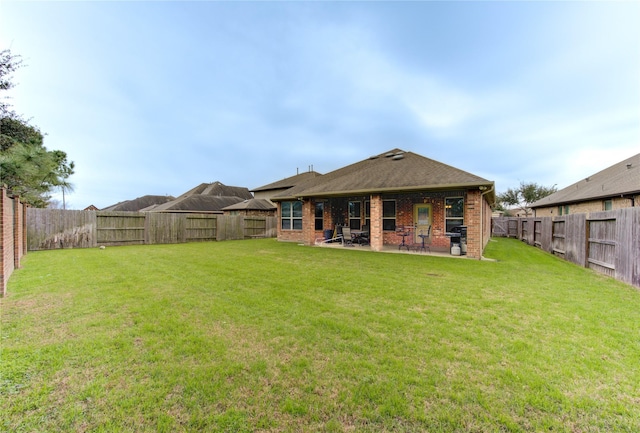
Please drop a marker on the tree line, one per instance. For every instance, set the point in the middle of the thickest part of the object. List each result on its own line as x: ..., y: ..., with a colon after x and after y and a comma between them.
x: 27, y: 168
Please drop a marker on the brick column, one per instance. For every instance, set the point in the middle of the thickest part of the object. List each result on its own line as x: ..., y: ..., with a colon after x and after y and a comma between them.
x: 6, y: 240
x: 308, y: 222
x: 17, y: 231
x: 375, y: 231
x: 472, y: 216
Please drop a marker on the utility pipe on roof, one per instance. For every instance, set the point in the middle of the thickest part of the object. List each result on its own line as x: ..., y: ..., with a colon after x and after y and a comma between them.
x: 482, y: 219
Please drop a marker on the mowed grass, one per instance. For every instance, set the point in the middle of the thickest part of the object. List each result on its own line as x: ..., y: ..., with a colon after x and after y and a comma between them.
x: 247, y: 336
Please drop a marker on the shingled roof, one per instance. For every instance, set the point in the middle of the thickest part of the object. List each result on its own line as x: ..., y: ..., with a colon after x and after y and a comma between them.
x: 197, y: 203
x: 392, y: 171
x: 206, y: 197
x: 288, y: 182
x: 253, y: 204
x: 620, y: 179
x: 139, y: 203
x: 218, y: 189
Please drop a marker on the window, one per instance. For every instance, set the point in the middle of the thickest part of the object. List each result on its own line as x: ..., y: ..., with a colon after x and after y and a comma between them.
x: 566, y: 209
x: 355, y: 213
x: 559, y: 210
x: 607, y: 205
x: 389, y: 215
x: 454, y: 212
x: 291, y: 218
x: 319, y: 224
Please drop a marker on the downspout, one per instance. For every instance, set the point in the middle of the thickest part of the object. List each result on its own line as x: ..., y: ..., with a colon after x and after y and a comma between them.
x: 482, y: 218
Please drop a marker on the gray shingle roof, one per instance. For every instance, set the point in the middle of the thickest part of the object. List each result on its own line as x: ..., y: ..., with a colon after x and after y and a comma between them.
x: 289, y: 181
x: 393, y: 171
x: 197, y: 203
x: 220, y: 190
x: 620, y: 179
x: 139, y: 203
x: 253, y: 204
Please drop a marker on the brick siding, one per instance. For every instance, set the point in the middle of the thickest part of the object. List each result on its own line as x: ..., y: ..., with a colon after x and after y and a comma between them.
x: 588, y: 206
x: 12, y: 238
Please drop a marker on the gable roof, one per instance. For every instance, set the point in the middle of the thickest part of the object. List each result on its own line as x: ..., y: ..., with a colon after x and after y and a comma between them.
x: 206, y: 197
x: 253, y: 204
x: 197, y: 203
x: 219, y: 189
x: 139, y: 203
x: 618, y: 180
x: 388, y: 172
x: 288, y: 182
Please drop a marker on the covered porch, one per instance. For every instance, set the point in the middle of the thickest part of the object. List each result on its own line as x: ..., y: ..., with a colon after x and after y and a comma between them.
x: 391, y: 219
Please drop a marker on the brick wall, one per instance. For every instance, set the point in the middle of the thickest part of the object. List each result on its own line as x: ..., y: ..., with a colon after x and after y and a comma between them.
x: 336, y: 212
x: 588, y: 207
x: 12, y: 236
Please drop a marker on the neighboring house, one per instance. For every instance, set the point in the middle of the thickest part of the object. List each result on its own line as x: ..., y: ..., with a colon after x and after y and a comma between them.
x: 139, y: 203
x: 253, y: 207
x: 91, y: 207
x: 615, y: 187
x: 206, y: 197
x: 280, y: 186
x: 388, y: 192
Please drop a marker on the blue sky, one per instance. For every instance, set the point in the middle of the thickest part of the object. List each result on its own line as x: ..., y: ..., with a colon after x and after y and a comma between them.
x: 158, y: 97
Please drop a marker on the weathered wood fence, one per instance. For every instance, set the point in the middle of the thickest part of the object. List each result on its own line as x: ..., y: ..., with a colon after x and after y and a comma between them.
x: 52, y: 228
x: 607, y: 242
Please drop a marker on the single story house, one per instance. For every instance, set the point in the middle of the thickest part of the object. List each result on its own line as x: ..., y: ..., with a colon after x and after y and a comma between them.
x: 614, y: 187
x: 390, y: 194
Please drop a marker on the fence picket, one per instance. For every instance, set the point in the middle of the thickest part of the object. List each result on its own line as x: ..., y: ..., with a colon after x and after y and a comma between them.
x: 607, y: 242
x: 53, y: 228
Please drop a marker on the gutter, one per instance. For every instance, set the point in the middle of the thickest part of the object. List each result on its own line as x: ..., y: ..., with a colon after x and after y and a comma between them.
x: 369, y: 191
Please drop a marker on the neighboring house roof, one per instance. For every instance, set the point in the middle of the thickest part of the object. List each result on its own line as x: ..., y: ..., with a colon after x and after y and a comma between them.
x: 139, y: 203
x: 392, y: 171
x: 253, y: 204
x: 621, y: 179
x: 197, y: 203
x: 206, y: 197
x: 288, y: 182
x: 220, y: 190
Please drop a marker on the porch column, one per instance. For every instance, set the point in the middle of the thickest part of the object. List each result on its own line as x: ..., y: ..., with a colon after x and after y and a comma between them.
x: 375, y: 231
x: 472, y: 217
x: 308, y: 222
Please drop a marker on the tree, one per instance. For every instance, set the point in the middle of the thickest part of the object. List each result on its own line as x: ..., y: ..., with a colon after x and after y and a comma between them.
x: 27, y: 168
x: 524, y: 195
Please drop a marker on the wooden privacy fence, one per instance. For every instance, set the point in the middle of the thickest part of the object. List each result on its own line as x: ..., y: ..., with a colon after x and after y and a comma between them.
x: 607, y: 242
x: 52, y: 228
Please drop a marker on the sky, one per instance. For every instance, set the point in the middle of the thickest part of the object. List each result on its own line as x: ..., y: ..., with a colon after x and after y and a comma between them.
x: 158, y: 97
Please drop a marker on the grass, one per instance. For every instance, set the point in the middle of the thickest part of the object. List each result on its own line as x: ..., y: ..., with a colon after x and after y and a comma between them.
x: 246, y: 336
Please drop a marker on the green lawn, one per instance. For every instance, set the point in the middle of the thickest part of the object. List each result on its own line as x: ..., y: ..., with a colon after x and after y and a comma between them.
x: 265, y: 336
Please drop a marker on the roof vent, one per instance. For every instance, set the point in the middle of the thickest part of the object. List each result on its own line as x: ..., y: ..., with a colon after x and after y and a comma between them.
x: 629, y: 165
x: 389, y: 155
x: 397, y: 157
x: 373, y: 157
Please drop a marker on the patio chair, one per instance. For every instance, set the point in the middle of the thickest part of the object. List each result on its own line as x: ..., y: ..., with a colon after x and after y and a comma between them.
x: 363, y: 239
x: 347, y: 240
x: 426, y: 242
